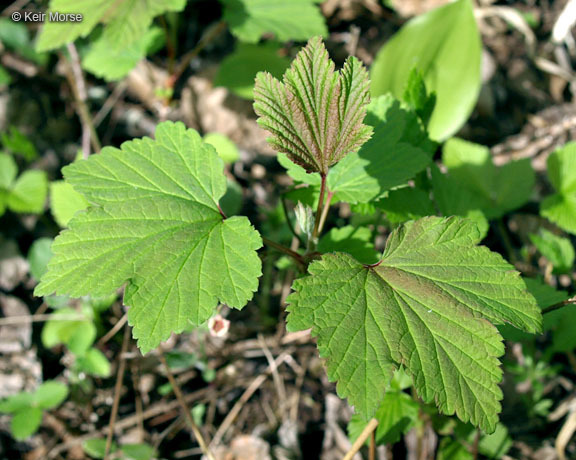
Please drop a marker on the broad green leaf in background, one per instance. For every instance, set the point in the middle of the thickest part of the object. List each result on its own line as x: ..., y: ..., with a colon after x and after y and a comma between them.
x: 107, y: 61
x: 156, y: 227
x: 445, y: 46
x: 429, y: 305
x: 65, y: 202
x: 19, y: 144
x: 238, y: 70
x: 407, y: 203
x: 453, y: 199
x: 496, y: 190
x: 286, y: 20
x: 138, y: 451
x: 225, y: 148
x: 39, y: 255
x: 298, y: 173
x: 356, y: 241
x: 396, y: 415
x: 96, y: 447
x: 49, y: 395
x: 29, y: 192
x: 560, y: 207
x: 558, y: 250
x: 397, y: 151
x: 125, y: 20
x: 315, y: 114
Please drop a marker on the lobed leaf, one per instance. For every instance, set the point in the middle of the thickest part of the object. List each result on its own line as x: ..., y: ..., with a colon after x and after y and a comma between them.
x: 315, y: 114
x: 155, y: 225
x: 428, y: 305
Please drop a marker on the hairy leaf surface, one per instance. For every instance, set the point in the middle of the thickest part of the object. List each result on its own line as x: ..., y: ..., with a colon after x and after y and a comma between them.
x: 427, y: 305
x: 155, y: 225
x: 315, y: 114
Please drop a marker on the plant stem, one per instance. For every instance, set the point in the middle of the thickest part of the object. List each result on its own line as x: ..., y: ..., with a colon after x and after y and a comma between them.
x: 368, y: 429
x: 318, y: 216
x: 78, y: 86
x: 559, y: 305
x: 117, y: 391
x: 281, y: 248
x: 325, y: 210
x: 372, y: 451
x: 187, y: 414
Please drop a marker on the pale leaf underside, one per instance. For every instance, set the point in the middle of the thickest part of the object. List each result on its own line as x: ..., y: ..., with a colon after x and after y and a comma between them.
x: 428, y: 305
x: 315, y: 115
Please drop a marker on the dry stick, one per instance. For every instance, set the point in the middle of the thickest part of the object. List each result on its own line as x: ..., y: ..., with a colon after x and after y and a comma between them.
x: 372, y: 452
x: 110, y: 103
x: 256, y: 383
x: 76, y: 82
x: 367, y: 431
x: 112, y: 332
x: 11, y: 320
x: 187, y: 58
x: 117, y: 390
x: 185, y: 408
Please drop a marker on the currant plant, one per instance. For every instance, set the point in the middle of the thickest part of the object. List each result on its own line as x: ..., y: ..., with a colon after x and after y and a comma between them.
x: 428, y: 304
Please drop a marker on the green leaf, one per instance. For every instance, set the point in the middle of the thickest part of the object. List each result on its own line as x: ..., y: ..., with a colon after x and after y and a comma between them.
x: 155, y: 226
x: 26, y: 422
x: 77, y: 335
x: 558, y: 250
x: 5, y: 78
x: 453, y: 199
x: 316, y: 113
x: 225, y: 148
x: 65, y: 202
x: 107, y: 61
x: 397, y: 151
x: 396, y: 416
x: 238, y: 70
x: 417, y: 97
x: 94, y: 363
x: 8, y: 171
x: 298, y: 173
x: 425, y: 305
x: 445, y: 46
x: 15, y: 36
x: 16, y: 402
x: 355, y: 241
x: 138, y: 451
x: 126, y: 20
x: 560, y: 208
x: 496, y: 190
x: 19, y: 144
x: 39, y: 255
x: 50, y: 394
x: 497, y: 444
x: 293, y: 20
x: 96, y: 448
x: 450, y: 449
x: 29, y: 192
x: 407, y: 203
